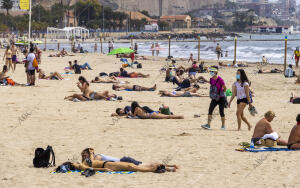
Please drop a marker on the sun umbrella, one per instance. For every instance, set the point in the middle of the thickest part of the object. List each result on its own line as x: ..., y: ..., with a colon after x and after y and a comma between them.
x: 121, y: 51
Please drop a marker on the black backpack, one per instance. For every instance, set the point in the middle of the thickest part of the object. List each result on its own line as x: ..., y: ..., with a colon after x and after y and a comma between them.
x: 77, y: 69
x: 42, y: 157
x: 139, y: 66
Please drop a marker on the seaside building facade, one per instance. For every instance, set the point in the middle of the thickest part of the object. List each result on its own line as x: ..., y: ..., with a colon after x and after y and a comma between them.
x: 178, y: 21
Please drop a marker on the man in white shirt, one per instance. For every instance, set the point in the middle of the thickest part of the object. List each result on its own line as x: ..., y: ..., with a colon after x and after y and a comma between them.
x: 289, y: 72
x: 30, y: 69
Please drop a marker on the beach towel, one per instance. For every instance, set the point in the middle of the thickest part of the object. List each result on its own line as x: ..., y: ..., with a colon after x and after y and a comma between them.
x: 98, y: 172
x: 264, y: 149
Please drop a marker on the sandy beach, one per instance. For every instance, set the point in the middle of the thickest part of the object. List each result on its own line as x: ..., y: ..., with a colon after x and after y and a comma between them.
x: 206, y: 158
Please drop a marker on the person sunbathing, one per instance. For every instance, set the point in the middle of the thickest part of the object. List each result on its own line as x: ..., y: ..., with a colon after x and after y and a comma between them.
x: 180, y: 94
x: 111, y: 79
x: 87, y: 94
x: 294, y: 138
x: 52, y: 76
x: 124, y: 73
x: 264, y: 128
x: 88, y: 153
x: 96, y: 165
x: 118, y: 87
x: 127, y: 111
x: 294, y: 99
x: 138, y: 111
x: 265, y: 71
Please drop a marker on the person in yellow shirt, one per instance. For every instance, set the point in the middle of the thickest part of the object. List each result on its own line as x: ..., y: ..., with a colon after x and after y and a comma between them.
x: 297, y: 56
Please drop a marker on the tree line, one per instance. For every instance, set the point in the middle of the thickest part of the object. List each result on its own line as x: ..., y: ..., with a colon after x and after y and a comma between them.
x: 88, y: 13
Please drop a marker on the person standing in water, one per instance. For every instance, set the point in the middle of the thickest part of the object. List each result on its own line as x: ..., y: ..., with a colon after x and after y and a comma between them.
x: 152, y: 49
x: 157, y: 49
x: 241, y: 91
x: 297, y: 56
x: 218, y: 51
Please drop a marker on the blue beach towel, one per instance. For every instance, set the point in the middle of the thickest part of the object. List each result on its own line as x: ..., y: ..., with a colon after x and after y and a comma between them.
x: 99, y: 172
x: 268, y: 149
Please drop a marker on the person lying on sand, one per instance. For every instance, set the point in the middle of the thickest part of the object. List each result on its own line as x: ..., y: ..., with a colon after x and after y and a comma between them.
x: 138, y: 111
x: 125, y: 74
x: 52, y: 76
x: 87, y: 94
x: 265, y: 71
x: 89, y: 153
x: 127, y: 111
x: 180, y: 94
x: 264, y: 128
x: 118, y: 87
x: 294, y: 138
x: 138, y: 57
x: 108, y: 80
x: 294, y: 99
x: 96, y: 165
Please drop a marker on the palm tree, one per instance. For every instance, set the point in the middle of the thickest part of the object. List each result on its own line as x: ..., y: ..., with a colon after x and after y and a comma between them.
x: 7, y: 4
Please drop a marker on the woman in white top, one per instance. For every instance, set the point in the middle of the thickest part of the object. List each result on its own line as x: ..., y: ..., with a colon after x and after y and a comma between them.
x: 241, y: 91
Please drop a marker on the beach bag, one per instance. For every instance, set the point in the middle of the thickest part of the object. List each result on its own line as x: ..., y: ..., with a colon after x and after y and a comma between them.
x: 139, y: 66
x: 115, y: 74
x: 35, y: 63
x: 42, y: 157
x: 214, y: 94
x: 10, y: 82
x: 102, y: 74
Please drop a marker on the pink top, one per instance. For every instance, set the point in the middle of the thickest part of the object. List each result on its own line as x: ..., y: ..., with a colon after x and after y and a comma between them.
x: 219, y: 82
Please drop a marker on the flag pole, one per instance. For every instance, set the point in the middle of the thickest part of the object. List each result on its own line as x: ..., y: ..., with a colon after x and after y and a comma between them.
x: 29, y: 29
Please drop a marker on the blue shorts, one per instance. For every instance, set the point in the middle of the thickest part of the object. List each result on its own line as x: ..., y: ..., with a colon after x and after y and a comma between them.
x: 192, y: 73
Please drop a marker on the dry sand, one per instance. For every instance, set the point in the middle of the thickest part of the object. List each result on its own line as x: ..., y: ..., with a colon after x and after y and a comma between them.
x: 206, y: 158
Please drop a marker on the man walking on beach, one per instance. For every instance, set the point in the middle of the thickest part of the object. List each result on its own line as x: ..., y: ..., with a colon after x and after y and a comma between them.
x: 30, y: 69
x: 218, y: 51
x: 297, y: 56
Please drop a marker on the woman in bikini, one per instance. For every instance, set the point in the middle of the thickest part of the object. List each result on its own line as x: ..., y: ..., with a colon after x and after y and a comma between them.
x: 108, y: 80
x: 52, y: 76
x: 87, y: 94
x: 118, y: 87
x: 88, y: 153
x: 8, y: 56
x: 138, y: 111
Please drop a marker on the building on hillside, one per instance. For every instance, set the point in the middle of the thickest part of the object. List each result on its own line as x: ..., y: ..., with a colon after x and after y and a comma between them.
x: 133, y: 15
x: 178, y: 21
x: 271, y: 29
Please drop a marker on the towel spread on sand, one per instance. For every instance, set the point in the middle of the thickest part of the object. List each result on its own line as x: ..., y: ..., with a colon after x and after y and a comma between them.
x: 264, y: 149
x: 98, y: 172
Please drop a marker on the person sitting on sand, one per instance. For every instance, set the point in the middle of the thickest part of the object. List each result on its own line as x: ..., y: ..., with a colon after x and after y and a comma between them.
x: 169, y: 74
x: 260, y: 71
x: 193, y: 70
x: 52, y: 76
x: 294, y: 99
x: 87, y: 94
x: 3, y: 73
x: 125, y: 74
x: 294, y: 138
x: 138, y: 111
x: 63, y: 53
x: 108, y: 80
x: 89, y: 153
x: 289, y: 72
x: 118, y: 87
x: 264, y: 128
x: 5, y: 80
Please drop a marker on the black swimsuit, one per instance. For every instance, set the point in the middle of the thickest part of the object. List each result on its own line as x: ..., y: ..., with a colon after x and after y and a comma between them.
x: 103, y: 166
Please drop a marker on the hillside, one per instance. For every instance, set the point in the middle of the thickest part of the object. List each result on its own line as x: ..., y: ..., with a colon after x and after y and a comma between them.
x: 152, y: 6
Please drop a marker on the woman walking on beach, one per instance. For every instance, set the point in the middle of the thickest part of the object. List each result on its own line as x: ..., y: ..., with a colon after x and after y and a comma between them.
x: 241, y: 91
x: 217, y: 95
x: 8, y: 58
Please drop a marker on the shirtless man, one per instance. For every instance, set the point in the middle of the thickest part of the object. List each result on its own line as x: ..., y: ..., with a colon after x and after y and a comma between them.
x: 294, y: 138
x: 118, y: 87
x: 3, y: 73
x: 264, y: 127
x: 14, y: 51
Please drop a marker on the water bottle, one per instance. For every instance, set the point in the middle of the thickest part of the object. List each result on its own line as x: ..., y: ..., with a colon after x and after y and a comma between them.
x: 252, y: 145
